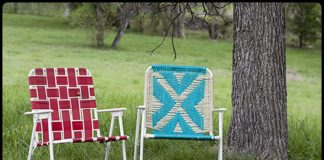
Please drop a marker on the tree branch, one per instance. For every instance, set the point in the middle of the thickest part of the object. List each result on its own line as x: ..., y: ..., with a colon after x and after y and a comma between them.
x: 168, y: 29
x: 213, y: 11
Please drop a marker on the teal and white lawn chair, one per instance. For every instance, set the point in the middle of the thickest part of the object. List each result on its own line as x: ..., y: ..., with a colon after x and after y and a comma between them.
x: 178, y: 104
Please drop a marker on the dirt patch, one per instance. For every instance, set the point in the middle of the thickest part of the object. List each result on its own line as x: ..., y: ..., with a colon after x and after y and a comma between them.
x: 292, y: 75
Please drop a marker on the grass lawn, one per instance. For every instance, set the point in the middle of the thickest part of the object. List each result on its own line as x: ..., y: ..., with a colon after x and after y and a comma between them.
x: 31, y: 41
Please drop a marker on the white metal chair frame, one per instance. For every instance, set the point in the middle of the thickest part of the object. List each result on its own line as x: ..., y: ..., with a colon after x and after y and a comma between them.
x: 46, y: 114
x: 141, y: 123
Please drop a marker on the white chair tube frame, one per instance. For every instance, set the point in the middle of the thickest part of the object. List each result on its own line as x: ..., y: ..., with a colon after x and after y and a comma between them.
x: 140, y: 123
x: 115, y: 113
x: 42, y: 114
x: 220, y: 131
x: 141, y: 114
x: 138, y: 118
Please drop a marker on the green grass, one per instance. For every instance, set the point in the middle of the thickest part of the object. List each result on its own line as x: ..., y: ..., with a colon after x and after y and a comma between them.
x: 31, y: 41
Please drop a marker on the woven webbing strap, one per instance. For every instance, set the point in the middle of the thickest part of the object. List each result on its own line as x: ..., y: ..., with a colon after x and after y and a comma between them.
x: 69, y: 92
x: 178, y: 100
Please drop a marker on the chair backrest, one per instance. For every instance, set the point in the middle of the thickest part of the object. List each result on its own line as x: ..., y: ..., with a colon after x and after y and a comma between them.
x: 179, y: 100
x: 70, y: 94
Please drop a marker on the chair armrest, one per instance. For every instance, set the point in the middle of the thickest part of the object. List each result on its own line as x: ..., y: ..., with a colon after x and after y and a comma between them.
x: 140, y: 107
x: 219, y: 109
x: 38, y: 112
x: 220, y: 120
x: 112, y: 110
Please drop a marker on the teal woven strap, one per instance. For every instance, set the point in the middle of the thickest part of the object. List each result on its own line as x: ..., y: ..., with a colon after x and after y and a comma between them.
x: 193, y: 137
x: 178, y: 106
x: 165, y: 67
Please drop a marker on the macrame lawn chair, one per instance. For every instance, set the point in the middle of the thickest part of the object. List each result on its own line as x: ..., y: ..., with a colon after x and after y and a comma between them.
x: 178, y: 104
x: 64, y: 110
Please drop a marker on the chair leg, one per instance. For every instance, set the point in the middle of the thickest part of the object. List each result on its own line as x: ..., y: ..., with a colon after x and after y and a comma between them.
x: 220, y: 149
x: 50, y: 135
x: 138, y: 118
x: 110, y: 134
x: 220, y: 130
x: 51, y: 148
x: 121, y: 128
x: 142, y: 135
x: 30, y: 153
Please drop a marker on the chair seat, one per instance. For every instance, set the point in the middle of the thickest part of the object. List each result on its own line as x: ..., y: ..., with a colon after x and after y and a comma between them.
x: 93, y: 139
x: 181, y: 136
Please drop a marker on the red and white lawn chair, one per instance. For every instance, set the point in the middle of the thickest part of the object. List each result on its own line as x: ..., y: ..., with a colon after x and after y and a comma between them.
x: 64, y: 110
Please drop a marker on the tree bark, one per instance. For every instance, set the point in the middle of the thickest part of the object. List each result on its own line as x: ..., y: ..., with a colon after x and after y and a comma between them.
x: 15, y: 7
x: 39, y: 8
x: 141, y: 24
x: 259, y: 98
x: 125, y: 14
x: 154, y: 23
x: 73, y: 5
x: 99, y: 25
x: 212, y: 30
x: 301, y: 43
x: 120, y: 33
x: 178, y: 24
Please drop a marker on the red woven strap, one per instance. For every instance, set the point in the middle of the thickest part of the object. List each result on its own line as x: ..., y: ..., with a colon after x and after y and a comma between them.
x: 42, y: 144
x: 101, y: 139
x: 112, y: 138
x: 69, y: 92
x: 94, y: 139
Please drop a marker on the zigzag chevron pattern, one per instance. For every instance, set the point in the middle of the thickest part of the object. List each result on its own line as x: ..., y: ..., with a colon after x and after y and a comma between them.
x: 178, y: 103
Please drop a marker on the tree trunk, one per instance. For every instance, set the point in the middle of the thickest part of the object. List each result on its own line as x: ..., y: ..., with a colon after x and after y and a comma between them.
x: 125, y: 14
x: 121, y: 30
x: 154, y: 23
x: 73, y: 5
x: 178, y: 24
x: 154, y: 18
x: 141, y: 24
x: 32, y: 9
x: 259, y: 97
x: 212, y: 30
x: 39, y: 8
x: 99, y: 25
x: 301, y: 40
x: 15, y: 7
